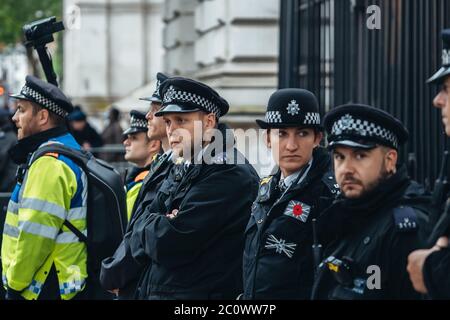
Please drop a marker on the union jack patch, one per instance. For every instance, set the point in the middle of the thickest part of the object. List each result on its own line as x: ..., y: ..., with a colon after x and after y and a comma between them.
x: 280, y: 246
x: 298, y: 210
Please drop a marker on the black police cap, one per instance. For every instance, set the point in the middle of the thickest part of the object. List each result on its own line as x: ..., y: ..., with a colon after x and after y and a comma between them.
x: 155, y: 97
x: 46, y: 95
x: 184, y: 95
x: 363, y: 126
x: 291, y: 108
x: 444, y: 71
x: 138, y: 123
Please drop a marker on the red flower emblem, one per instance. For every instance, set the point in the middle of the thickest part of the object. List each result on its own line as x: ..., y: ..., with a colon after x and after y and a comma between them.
x: 298, y: 210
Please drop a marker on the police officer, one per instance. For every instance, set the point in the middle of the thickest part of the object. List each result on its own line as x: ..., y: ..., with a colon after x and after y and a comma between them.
x: 139, y: 150
x: 278, y: 257
x: 429, y: 269
x: 192, y: 237
x: 120, y: 273
x: 373, y: 229
x: 41, y: 258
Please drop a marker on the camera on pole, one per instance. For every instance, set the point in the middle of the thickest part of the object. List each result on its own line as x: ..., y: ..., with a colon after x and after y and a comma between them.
x: 37, y: 35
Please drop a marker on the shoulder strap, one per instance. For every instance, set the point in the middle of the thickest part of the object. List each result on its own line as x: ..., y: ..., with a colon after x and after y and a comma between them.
x: 405, y: 219
x: 329, y: 180
x: 77, y: 232
x: 80, y: 157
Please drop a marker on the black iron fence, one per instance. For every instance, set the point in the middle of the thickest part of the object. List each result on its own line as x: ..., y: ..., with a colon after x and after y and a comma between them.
x: 327, y: 47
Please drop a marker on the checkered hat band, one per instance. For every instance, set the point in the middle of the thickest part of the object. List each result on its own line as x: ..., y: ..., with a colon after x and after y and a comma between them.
x: 311, y: 118
x: 138, y: 123
x: 172, y: 94
x: 273, y: 117
x: 446, y: 57
x: 43, y: 101
x: 156, y: 92
x: 363, y: 128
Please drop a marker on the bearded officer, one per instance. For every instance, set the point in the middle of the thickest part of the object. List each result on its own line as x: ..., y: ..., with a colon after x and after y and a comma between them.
x: 193, y: 234
x: 371, y: 228
x: 41, y: 257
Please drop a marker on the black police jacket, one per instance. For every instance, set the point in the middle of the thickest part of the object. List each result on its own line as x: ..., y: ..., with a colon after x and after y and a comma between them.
x: 197, y: 253
x: 372, y: 238
x: 278, y: 259
x: 122, y: 271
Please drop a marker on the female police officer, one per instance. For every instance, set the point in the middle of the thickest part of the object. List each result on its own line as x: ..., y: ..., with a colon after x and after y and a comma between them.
x: 278, y: 257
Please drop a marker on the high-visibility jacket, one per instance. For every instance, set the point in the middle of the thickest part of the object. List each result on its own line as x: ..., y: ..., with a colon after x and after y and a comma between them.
x: 54, y: 189
x: 132, y: 190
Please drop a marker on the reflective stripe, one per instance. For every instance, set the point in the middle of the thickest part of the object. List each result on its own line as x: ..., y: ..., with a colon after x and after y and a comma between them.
x: 35, y: 287
x: 10, y: 230
x: 5, y: 281
x: 77, y: 213
x: 13, y: 207
x: 44, y: 206
x: 71, y: 287
x: 69, y: 237
x: 38, y: 229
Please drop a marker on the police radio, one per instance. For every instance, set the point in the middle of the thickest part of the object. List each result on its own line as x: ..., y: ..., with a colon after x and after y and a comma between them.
x: 341, y: 270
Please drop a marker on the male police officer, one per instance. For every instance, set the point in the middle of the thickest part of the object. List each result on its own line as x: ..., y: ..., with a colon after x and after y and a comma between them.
x: 41, y: 258
x: 120, y: 273
x: 429, y: 270
x: 193, y: 233
x: 139, y: 150
x: 371, y: 228
x: 278, y: 257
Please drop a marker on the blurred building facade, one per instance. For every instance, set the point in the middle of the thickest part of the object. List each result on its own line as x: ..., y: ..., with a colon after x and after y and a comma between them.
x: 111, y: 47
x: 116, y: 47
x: 231, y: 45
x: 119, y: 46
x: 13, y: 70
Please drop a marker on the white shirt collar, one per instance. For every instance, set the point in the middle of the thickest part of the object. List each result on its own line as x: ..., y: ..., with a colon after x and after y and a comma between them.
x: 289, y: 180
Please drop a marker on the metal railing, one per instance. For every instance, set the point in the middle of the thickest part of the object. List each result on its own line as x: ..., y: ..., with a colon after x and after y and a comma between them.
x: 121, y: 166
x: 326, y: 47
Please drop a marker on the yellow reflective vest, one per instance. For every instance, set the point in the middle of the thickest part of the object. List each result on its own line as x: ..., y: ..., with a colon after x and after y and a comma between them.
x: 132, y: 190
x: 54, y: 189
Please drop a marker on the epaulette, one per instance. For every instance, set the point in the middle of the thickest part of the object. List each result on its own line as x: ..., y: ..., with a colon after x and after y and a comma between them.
x: 329, y: 180
x: 221, y: 158
x: 405, y: 219
x: 265, y: 189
